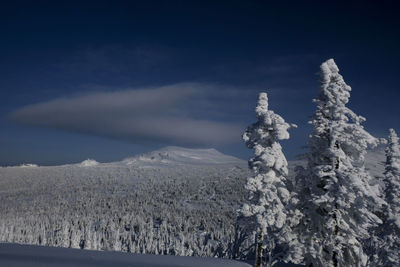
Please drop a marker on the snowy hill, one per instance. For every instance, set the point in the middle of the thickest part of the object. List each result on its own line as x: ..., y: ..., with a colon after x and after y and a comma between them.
x: 171, y: 155
x: 89, y: 163
x: 28, y: 165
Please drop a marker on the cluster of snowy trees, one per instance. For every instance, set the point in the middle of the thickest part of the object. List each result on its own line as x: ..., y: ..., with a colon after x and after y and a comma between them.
x: 186, y: 210
x: 332, y: 213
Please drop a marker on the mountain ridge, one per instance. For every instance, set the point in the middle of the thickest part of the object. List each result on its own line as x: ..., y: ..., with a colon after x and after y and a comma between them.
x: 170, y: 155
x: 174, y: 154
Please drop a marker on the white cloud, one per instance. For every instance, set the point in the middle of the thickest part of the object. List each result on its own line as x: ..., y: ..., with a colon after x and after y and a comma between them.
x: 163, y: 114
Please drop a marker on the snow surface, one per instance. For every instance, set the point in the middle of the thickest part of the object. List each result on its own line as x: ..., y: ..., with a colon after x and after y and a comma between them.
x: 34, y: 256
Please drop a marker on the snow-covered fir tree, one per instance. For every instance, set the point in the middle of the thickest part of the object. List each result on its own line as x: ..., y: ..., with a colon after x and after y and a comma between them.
x: 392, y: 178
x: 269, y: 196
x: 336, y: 197
x: 387, y: 239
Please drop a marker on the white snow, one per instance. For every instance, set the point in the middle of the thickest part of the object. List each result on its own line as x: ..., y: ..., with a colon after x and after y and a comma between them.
x: 337, y: 196
x: 35, y: 199
x: 14, y: 255
x: 176, y: 155
x: 89, y: 163
x: 269, y: 199
x: 158, y: 209
x: 385, y: 245
x: 28, y: 165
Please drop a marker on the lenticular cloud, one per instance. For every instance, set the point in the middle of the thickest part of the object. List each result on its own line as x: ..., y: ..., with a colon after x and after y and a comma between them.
x: 160, y: 114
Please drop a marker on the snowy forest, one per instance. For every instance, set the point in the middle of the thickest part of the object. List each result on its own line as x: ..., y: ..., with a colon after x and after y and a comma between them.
x: 329, y: 209
x: 185, y: 209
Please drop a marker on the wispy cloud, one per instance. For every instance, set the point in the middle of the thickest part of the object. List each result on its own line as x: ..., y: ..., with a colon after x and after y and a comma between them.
x: 168, y: 114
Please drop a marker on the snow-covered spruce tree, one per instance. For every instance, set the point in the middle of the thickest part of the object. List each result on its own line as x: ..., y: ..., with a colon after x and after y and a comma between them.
x: 336, y: 197
x: 269, y: 196
x: 387, y: 243
x: 392, y: 178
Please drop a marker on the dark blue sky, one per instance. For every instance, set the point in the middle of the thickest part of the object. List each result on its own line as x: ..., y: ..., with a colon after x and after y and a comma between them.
x: 109, y: 79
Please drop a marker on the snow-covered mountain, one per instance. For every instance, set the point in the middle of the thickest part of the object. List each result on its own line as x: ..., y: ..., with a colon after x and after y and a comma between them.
x: 28, y: 165
x: 173, y: 154
x: 89, y: 163
x: 164, y: 157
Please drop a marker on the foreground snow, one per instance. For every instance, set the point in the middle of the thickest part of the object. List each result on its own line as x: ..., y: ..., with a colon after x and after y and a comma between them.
x: 35, y: 256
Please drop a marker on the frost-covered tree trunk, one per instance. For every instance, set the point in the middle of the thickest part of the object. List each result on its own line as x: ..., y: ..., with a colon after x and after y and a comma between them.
x: 259, y: 249
x: 387, y: 242
x: 269, y: 197
x: 336, y: 196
